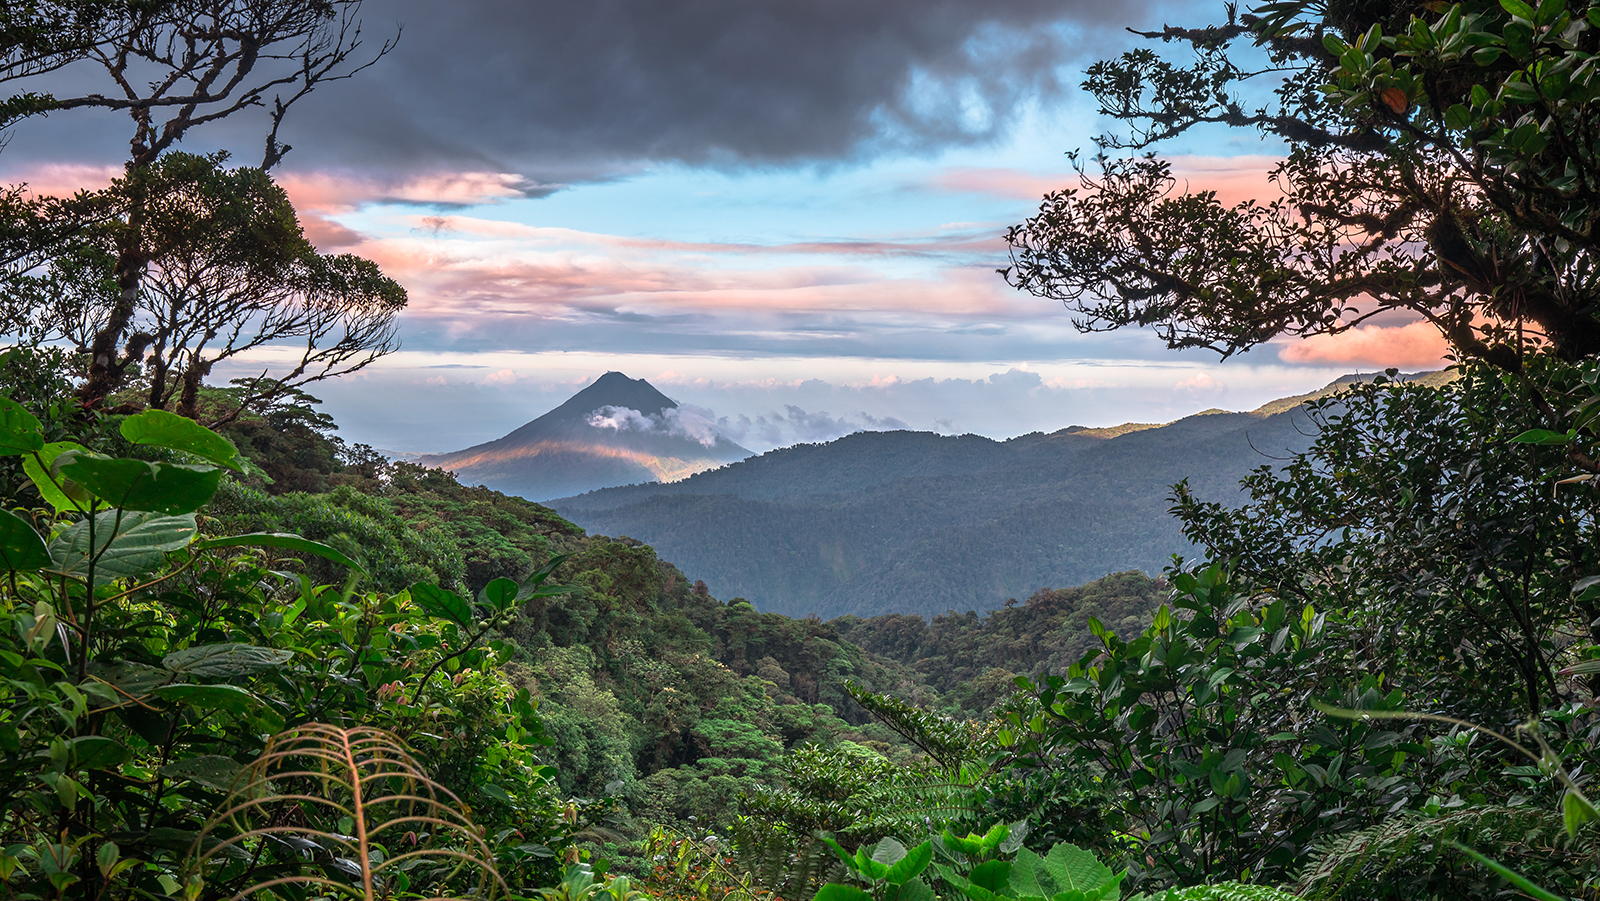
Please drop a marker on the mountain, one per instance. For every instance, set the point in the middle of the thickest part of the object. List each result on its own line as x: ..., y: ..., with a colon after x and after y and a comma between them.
x: 915, y: 522
x: 617, y: 431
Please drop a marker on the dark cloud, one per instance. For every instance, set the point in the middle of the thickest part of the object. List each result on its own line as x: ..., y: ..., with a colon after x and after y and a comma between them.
x: 564, y: 90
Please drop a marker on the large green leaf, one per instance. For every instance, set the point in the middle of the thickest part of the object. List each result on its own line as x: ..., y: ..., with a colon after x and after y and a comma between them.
x: 162, y: 429
x: 210, y: 770
x: 136, y: 545
x: 442, y: 603
x: 1067, y: 870
x: 94, y: 752
x: 501, y: 593
x: 833, y: 891
x: 19, y: 430
x: 283, y: 540
x: 915, y: 890
x: 225, y: 660
x: 209, y: 697
x: 37, y: 466
x: 128, y: 677
x: 910, y: 865
x: 21, y: 548
x: 149, y: 487
x: 971, y: 889
x: 888, y: 851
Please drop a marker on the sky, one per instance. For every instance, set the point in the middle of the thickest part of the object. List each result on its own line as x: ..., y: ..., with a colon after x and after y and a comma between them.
x: 785, y: 213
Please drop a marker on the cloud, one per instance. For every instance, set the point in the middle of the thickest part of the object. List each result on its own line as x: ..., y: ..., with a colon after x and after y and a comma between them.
x: 578, y: 89
x: 1233, y: 178
x: 694, y: 423
x: 502, y: 377
x: 1413, y: 345
x: 797, y: 425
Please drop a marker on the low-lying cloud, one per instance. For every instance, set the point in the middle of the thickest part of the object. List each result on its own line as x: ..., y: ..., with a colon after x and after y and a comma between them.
x: 694, y: 423
x: 795, y: 425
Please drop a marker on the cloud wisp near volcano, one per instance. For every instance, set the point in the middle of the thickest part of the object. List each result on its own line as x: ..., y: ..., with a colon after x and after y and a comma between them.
x: 617, y: 431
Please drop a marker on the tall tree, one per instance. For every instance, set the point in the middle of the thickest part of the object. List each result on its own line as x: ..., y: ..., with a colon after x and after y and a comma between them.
x: 228, y: 270
x: 1442, y: 162
x: 171, y: 66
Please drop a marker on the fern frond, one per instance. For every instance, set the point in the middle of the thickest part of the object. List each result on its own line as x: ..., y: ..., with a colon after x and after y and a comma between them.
x: 348, y: 812
x: 1226, y: 891
x: 952, y: 743
x: 1367, y: 856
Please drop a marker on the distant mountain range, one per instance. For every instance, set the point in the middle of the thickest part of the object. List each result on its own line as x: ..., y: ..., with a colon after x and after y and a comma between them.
x: 617, y: 431
x: 915, y: 522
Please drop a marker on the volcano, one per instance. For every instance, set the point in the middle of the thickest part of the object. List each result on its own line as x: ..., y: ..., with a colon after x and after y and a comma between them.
x: 617, y: 431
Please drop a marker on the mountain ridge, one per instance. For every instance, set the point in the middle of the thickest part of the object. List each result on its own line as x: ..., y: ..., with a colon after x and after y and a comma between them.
x: 615, y: 431
x: 915, y: 522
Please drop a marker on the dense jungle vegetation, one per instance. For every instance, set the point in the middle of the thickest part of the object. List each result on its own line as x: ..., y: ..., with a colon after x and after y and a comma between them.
x: 242, y: 659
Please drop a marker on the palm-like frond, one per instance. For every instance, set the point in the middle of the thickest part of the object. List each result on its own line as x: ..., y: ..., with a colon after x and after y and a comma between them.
x: 1367, y: 857
x: 348, y: 812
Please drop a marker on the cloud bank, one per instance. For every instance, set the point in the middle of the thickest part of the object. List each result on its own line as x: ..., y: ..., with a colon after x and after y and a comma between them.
x: 694, y: 423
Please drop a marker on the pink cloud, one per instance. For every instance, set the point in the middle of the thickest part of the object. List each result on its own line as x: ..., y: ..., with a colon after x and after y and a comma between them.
x: 63, y: 179
x: 1418, y: 344
x: 334, y: 192
x: 1234, y: 178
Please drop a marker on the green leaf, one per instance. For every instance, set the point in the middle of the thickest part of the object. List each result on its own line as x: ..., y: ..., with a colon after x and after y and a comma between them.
x: 96, y: 752
x: 442, y: 603
x: 209, y: 697
x: 130, y: 678
x: 136, y: 545
x: 501, y: 593
x: 20, y: 432
x: 915, y: 890
x: 21, y: 548
x: 37, y: 466
x: 888, y: 851
x: 225, y: 660
x: 910, y: 865
x: 210, y: 770
x: 159, y: 428
x: 281, y: 540
x: 1575, y: 811
x: 843, y: 854
x: 993, y: 875
x: 833, y: 891
x: 1518, y: 8
x: 1067, y: 868
x: 1542, y: 436
x: 150, y: 487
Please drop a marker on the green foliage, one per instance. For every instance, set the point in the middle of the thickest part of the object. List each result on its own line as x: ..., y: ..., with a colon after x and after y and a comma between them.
x: 973, y: 660
x: 146, y: 670
x: 889, y: 870
x: 1197, y: 727
x: 1415, y: 852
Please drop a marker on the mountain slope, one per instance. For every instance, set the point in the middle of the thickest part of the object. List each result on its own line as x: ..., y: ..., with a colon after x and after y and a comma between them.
x: 617, y: 431
x: 913, y: 522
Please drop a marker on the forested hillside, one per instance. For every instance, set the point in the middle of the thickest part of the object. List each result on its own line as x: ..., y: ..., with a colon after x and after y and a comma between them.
x: 913, y: 522
x: 242, y: 659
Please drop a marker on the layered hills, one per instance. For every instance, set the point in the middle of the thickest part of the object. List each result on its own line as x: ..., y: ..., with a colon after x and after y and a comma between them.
x: 916, y: 522
x: 617, y: 431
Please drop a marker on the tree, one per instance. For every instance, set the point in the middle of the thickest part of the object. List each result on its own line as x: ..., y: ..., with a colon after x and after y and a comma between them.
x: 173, y: 65
x: 227, y: 270
x: 1442, y: 162
x: 1441, y: 539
